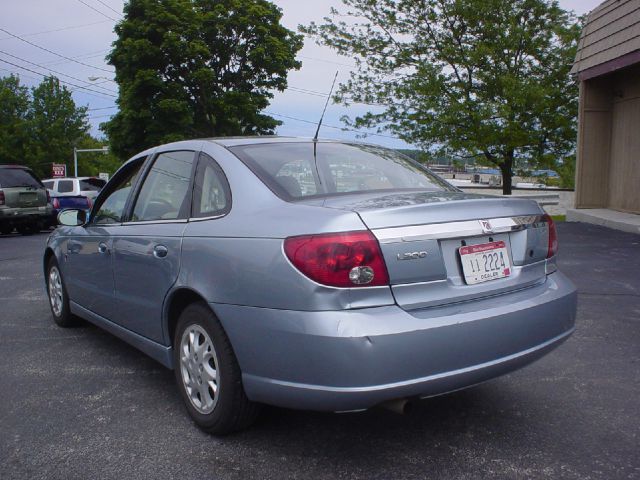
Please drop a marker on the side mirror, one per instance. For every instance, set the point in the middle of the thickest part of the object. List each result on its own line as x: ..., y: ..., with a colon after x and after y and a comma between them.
x: 72, y: 217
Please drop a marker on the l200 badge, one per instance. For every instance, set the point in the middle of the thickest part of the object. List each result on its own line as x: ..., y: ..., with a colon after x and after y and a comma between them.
x: 411, y: 255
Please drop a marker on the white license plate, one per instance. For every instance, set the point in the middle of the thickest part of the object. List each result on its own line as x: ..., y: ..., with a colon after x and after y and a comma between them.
x: 484, y: 262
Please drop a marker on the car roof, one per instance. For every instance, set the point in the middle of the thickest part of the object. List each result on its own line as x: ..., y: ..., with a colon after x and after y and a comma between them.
x: 258, y: 139
x: 23, y: 167
x: 229, y: 142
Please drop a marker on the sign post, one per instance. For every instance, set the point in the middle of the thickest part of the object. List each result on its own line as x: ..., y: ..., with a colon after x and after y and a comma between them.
x: 104, y: 150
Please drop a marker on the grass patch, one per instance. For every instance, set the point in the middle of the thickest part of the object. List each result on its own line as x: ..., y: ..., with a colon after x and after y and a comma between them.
x: 559, y: 218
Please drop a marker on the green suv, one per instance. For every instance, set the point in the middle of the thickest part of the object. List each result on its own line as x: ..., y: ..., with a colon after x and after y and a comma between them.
x: 23, y: 201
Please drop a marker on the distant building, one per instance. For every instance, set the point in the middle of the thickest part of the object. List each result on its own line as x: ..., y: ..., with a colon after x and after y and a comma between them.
x: 607, y: 66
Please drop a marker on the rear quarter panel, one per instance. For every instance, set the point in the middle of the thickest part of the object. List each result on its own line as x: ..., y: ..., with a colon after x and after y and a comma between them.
x: 239, y: 259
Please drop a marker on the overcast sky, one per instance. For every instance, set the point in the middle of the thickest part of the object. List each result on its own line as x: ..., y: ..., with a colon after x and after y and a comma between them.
x: 82, y: 30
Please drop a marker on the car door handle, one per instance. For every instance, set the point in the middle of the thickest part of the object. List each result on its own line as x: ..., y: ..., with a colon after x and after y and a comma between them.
x: 160, y: 251
x: 102, y: 248
x: 73, y: 246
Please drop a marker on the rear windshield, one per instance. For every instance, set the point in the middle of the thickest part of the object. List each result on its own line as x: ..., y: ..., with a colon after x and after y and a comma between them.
x: 291, y: 171
x: 18, y: 177
x: 65, y: 186
x: 92, y: 184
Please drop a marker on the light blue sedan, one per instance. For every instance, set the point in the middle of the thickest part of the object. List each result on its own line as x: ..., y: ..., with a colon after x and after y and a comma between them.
x: 309, y: 274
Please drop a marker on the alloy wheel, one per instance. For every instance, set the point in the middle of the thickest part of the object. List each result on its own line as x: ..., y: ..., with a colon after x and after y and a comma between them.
x: 199, y: 368
x: 56, y: 294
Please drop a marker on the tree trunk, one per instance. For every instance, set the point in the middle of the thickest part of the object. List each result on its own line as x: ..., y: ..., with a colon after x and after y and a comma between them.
x: 506, y: 168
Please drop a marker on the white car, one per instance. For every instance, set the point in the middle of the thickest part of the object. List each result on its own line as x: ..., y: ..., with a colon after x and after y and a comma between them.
x: 74, y: 186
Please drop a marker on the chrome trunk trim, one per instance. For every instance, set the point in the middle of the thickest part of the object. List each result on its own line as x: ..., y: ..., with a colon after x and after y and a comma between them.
x: 467, y: 228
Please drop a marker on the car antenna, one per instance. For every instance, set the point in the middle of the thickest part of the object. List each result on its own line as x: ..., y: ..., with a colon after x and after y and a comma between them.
x: 315, y: 137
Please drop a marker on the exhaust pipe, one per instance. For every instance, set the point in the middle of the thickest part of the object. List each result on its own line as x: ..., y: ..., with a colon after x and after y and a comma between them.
x: 400, y: 406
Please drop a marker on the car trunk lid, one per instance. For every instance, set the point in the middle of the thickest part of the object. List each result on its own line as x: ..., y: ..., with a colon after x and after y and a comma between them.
x: 421, y: 233
x: 24, y: 197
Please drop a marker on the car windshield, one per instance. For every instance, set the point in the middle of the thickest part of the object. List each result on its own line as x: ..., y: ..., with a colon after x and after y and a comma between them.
x: 292, y: 170
x: 17, y: 177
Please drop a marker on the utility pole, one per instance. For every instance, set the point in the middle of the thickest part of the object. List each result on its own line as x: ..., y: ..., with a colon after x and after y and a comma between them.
x: 104, y: 150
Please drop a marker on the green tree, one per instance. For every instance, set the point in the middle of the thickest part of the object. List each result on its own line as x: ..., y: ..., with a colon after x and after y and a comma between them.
x: 458, y: 165
x: 14, y: 106
x: 567, y: 171
x: 483, y: 79
x: 197, y: 68
x: 55, y: 126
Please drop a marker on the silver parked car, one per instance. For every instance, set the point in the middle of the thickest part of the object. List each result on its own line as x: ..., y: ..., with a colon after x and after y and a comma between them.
x: 312, y: 275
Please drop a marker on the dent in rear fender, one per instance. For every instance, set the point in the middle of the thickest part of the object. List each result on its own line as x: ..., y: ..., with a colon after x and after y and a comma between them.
x: 254, y: 272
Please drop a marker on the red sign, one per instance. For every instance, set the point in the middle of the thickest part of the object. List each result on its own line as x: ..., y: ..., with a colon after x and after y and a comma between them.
x: 58, y: 170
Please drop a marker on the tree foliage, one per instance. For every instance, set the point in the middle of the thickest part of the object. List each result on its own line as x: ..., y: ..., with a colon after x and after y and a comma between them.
x: 14, y: 108
x: 56, y: 125
x: 197, y: 68
x: 90, y: 164
x: 39, y: 126
x: 487, y: 79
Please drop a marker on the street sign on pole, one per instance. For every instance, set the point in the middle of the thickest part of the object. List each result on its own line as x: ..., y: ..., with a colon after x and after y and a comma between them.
x: 58, y: 170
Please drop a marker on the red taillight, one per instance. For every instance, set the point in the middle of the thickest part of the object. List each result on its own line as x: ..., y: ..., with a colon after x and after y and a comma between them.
x: 55, y: 203
x: 553, y: 237
x: 350, y: 259
x: 1, y: 197
x: 89, y: 202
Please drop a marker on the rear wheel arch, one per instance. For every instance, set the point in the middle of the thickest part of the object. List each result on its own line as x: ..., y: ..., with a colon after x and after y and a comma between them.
x: 177, y: 301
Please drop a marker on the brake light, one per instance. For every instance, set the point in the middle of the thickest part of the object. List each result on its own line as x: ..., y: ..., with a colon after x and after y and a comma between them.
x: 349, y: 259
x: 1, y: 197
x: 55, y: 203
x: 553, y: 236
x: 89, y: 202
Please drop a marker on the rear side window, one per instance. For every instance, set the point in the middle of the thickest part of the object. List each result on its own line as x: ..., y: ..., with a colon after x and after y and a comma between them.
x: 298, y: 170
x: 18, y: 177
x: 92, y: 184
x: 211, y: 193
x: 65, y: 186
x: 165, y: 193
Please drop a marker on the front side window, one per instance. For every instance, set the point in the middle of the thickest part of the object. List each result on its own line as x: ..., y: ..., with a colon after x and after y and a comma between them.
x: 211, y: 193
x: 48, y: 184
x: 165, y: 192
x: 300, y: 169
x: 112, y: 208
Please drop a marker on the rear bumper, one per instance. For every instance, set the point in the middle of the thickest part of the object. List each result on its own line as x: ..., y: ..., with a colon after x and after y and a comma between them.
x: 355, y: 359
x: 19, y: 215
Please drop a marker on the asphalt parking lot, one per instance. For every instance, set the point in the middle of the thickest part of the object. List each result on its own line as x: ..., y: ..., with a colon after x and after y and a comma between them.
x: 80, y: 403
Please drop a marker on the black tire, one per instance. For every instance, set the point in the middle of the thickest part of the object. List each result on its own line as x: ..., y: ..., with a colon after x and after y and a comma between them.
x: 231, y: 410
x: 63, y: 318
x: 6, y: 229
